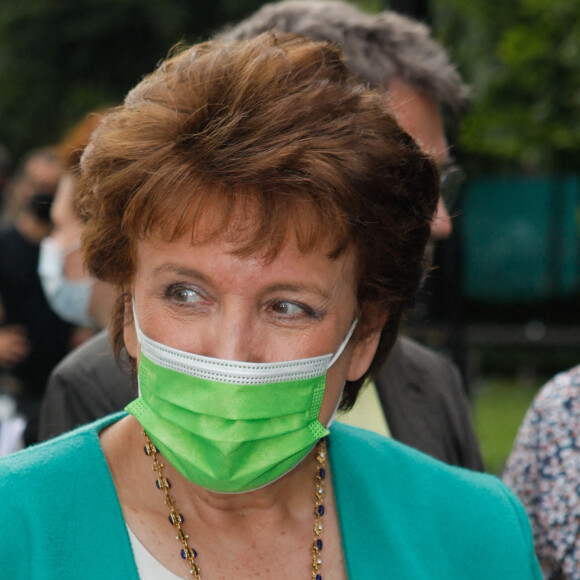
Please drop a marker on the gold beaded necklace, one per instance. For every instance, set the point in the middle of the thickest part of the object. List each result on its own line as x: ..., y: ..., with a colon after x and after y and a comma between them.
x: 176, y: 519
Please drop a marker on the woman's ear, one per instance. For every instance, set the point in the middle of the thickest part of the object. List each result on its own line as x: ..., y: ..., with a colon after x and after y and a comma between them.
x: 365, y: 348
x: 129, y: 332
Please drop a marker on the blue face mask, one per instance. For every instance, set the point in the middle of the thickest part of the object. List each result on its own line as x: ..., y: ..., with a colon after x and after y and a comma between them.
x: 70, y: 300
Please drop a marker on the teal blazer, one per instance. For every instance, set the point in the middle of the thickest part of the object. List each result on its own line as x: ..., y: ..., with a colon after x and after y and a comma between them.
x: 402, y: 514
x: 405, y: 516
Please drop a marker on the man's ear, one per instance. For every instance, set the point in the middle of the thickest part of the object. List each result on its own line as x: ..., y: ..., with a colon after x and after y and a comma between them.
x: 129, y: 332
x: 365, y: 348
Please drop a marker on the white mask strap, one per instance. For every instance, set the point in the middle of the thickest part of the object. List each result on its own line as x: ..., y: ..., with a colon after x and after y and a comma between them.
x: 333, y: 360
x: 136, y: 321
x: 343, y: 345
x: 229, y: 371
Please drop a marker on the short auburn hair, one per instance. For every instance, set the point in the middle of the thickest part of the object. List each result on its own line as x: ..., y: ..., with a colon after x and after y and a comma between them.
x: 274, y: 129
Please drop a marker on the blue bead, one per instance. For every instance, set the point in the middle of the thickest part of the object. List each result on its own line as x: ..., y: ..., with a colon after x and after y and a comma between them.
x: 184, y: 555
x: 170, y: 520
x: 319, y: 544
x: 157, y: 484
x: 145, y: 449
x: 318, y: 577
x: 322, y: 473
x: 320, y: 510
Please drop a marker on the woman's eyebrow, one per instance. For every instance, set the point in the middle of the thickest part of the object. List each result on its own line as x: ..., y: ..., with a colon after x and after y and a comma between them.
x: 309, y: 288
x: 191, y: 273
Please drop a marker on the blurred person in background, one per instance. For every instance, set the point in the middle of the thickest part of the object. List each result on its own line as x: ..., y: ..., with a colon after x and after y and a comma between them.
x: 543, y: 470
x: 72, y: 293
x: 422, y: 401
x: 32, y: 337
x: 421, y: 393
x: 88, y: 383
x: 35, y: 178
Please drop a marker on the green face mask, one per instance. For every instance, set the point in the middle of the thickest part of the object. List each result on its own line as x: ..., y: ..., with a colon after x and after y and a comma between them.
x: 230, y: 426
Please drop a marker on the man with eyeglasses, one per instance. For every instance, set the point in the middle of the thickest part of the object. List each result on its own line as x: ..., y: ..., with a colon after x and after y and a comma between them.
x: 420, y: 393
x: 418, y: 114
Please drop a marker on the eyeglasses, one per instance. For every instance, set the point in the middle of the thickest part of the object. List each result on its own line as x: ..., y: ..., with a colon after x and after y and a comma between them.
x: 451, y: 179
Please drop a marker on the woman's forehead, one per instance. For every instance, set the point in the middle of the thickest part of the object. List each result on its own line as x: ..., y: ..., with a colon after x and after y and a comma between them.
x: 243, y: 245
x: 249, y: 225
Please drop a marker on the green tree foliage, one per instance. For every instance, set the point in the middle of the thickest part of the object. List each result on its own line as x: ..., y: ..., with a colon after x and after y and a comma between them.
x: 522, y: 59
x: 62, y: 58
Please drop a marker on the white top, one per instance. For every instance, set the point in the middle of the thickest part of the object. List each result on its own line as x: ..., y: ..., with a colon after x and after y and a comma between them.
x: 148, y: 567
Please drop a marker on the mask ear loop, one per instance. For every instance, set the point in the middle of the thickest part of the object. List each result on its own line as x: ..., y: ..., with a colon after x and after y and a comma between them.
x: 136, y: 322
x: 73, y: 247
x: 139, y: 336
x: 341, y: 348
x: 334, y: 358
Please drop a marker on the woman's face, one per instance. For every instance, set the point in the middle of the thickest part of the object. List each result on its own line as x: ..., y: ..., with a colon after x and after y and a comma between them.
x: 205, y: 300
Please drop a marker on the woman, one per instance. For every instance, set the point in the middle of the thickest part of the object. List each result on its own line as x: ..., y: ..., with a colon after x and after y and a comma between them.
x: 74, y: 296
x: 87, y: 384
x: 264, y: 219
x: 542, y: 470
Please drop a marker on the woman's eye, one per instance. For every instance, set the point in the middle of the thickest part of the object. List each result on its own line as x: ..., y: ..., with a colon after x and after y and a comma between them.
x: 287, y: 308
x: 184, y: 295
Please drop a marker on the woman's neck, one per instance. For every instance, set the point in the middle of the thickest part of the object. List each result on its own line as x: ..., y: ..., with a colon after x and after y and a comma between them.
x: 247, y: 534
x: 288, y: 494
x: 292, y: 493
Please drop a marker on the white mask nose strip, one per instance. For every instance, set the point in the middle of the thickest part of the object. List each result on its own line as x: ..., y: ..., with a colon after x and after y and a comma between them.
x: 235, y: 372
x: 229, y: 371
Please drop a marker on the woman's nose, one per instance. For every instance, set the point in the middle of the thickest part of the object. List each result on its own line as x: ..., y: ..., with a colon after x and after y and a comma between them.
x: 234, y: 340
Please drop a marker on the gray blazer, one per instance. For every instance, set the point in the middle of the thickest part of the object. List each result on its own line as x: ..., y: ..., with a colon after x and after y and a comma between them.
x: 425, y: 404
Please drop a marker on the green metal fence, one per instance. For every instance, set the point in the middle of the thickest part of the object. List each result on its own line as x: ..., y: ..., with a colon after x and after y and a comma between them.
x: 521, y: 238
